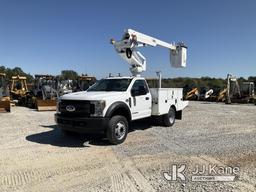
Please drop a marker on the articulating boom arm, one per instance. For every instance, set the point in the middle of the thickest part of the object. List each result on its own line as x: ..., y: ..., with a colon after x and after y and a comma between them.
x: 127, y: 49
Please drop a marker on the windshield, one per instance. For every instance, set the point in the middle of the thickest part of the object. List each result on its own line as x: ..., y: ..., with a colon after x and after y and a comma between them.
x: 111, y: 85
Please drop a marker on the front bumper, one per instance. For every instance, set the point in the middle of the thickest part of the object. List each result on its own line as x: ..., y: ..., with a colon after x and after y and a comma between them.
x: 82, y: 125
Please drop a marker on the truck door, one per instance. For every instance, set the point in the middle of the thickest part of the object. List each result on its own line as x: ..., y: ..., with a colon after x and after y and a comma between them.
x: 141, y: 100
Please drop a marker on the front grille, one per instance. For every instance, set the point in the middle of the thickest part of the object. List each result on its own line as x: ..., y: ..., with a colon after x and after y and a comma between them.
x: 81, y: 108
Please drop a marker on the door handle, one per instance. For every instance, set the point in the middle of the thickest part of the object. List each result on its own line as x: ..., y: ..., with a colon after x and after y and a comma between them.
x: 147, y: 98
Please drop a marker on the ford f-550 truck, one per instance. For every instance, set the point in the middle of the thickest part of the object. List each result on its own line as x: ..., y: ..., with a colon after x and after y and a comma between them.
x: 112, y: 103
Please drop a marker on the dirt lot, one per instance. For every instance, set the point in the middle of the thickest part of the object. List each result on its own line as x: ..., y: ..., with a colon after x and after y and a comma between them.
x: 36, y: 156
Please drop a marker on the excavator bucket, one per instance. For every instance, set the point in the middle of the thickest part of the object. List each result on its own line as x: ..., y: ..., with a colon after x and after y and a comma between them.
x: 46, y: 105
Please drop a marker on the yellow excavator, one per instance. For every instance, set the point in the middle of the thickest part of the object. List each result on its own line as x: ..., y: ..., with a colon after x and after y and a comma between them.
x: 19, y: 90
x: 192, y: 95
x: 5, y: 104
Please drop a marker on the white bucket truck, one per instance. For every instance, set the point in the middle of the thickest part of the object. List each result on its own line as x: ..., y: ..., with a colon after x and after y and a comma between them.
x: 112, y: 103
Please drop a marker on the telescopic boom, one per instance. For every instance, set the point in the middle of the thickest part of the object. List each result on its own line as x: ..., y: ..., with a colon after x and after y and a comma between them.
x: 131, y: 40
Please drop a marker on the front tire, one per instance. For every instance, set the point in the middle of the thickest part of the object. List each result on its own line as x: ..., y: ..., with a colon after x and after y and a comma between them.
x: 169, y: 118
x: 117, y: 129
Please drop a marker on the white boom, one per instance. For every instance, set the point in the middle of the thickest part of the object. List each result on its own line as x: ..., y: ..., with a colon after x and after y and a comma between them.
x: 127, y: 49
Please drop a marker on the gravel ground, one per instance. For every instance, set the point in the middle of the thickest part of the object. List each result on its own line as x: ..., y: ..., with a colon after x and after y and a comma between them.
x: 36, y: 156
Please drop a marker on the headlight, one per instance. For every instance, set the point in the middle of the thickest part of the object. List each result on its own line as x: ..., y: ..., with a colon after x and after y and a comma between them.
x: 98, y: 107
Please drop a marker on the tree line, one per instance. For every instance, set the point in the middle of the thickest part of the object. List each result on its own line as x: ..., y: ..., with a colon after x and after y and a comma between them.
x: 181, y: 82
x: 188, y: 83
x: 65, y: 74
x: 14, y: 72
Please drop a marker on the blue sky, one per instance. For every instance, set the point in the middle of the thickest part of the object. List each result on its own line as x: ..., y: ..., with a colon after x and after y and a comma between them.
x: 46, y: 36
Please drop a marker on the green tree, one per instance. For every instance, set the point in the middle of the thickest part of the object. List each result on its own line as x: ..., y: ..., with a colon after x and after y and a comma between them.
x: 15, y: 71
x: 69, y: 74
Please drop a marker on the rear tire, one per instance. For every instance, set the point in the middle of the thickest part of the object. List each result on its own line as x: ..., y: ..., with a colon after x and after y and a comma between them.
x: 117, y: 129
x: 169, y: 118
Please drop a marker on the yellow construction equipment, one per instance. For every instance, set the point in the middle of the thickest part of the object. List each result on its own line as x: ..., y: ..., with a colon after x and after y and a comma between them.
x: 233, y: 89
x: 5, y: 104
x: 192, y: 95
x: 84, y: 82
x: 44, y: 93
x: 222, y: 95
x: 236, y: 93
x: 19, y: 89
x: 247, y: 92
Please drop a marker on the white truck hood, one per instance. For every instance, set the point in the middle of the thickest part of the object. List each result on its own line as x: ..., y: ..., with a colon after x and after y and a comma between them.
x: 93, y: 95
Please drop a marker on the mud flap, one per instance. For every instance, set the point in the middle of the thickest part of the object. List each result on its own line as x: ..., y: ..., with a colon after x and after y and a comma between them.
x: 178, y: 114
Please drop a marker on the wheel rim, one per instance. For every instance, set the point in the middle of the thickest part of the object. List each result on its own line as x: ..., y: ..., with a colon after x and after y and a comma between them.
x: 120, y: 130
x: 171, y: 118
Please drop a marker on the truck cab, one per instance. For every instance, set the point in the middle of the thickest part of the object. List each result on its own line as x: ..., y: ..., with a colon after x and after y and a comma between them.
x: 112, y: 103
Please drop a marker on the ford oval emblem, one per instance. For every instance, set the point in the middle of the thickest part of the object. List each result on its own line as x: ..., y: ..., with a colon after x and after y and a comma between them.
x: 70, y: 108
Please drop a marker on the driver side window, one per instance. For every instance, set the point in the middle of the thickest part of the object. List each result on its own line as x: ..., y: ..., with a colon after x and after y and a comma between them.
x: 139, y: 88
